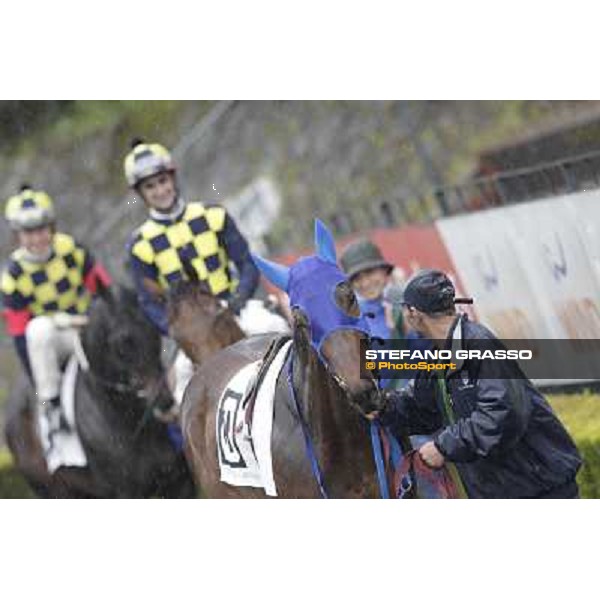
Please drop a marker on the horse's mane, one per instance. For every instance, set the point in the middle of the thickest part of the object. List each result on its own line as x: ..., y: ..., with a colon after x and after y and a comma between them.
x: 196, y: 292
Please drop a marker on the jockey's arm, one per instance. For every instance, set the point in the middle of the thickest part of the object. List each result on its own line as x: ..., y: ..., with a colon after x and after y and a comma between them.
x: 94, y: 273
x: 239, y: 252
x: 21, y: 347
x: 16, y: 316
x: 152, y: 305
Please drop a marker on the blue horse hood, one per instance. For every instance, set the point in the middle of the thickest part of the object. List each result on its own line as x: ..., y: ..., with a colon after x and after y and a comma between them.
x: 311, y: 288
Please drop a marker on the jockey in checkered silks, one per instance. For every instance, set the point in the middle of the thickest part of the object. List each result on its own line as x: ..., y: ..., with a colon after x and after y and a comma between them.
x: 178, y: 232
x: 46, y: 289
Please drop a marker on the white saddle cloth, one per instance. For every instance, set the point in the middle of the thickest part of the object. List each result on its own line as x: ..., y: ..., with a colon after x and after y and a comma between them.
x: 245, y: 454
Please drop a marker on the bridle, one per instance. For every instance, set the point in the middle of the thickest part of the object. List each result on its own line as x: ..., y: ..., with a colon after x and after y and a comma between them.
x: 117, y: 386
x: 310, y: 449
x: 341, y: 383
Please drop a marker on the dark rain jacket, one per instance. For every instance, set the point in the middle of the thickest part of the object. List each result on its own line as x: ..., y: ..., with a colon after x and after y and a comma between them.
x: 501, y: 433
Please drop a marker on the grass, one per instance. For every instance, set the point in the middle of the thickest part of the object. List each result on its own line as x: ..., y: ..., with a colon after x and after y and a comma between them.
x: 580, y: 414
x: 12, y: 485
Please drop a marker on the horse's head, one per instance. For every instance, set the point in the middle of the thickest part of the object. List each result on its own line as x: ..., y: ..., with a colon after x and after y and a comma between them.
x: 123, y: 347
x: 199, y: 322
x: 326, y: 314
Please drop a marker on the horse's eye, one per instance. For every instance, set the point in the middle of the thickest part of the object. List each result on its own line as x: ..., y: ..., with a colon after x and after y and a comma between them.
x: 345, y: 298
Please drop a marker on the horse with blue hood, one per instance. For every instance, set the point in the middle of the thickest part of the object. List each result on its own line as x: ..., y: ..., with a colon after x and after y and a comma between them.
x: 320, y: 442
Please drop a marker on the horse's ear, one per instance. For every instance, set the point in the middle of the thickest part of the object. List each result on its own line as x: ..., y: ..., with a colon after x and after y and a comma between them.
x: 324, y: 243
x: 278, y: 275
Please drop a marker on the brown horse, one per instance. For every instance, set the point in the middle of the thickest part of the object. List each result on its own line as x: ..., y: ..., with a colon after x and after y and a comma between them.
x: 323, y: 376
x: 199, y: 322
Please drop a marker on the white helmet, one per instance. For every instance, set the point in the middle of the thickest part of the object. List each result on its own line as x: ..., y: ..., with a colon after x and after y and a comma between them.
x: 29, y: 209
x: 146, y: 160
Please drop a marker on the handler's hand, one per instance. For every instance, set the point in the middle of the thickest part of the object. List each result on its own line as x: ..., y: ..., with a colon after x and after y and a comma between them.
x: 431, y: 455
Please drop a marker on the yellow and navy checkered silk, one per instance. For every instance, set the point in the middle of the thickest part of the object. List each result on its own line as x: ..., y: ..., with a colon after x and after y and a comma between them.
x: 194, y: 238
x: 52, y: 286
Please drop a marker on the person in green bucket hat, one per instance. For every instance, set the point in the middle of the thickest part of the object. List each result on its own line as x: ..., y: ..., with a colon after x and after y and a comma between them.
x: 370, y: 274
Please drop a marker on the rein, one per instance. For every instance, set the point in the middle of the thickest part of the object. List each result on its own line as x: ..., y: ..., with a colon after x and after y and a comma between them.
x: 310, y: 449
x: 122, y: 388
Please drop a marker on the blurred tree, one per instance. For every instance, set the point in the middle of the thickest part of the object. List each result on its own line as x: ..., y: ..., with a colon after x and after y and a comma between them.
x: 23, y: 117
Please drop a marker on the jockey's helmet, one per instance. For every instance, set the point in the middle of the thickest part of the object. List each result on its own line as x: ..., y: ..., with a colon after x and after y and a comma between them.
x: 145, y: 160
x: 29, y: 209
x: 361, y: 255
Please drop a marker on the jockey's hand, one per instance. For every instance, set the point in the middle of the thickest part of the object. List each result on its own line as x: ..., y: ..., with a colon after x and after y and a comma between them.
x: 236, y: 303
x: 431, y: 456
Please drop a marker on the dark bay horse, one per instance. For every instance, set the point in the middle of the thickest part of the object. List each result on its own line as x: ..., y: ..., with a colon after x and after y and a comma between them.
x: 327, y: 329
x: 128, y: 451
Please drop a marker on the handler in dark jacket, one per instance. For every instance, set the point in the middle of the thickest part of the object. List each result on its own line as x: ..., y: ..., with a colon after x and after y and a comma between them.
x: 502, y: 435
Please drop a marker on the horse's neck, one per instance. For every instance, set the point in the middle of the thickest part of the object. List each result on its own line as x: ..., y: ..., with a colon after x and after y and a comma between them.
x: 200, y: 347
x: 339, y: 432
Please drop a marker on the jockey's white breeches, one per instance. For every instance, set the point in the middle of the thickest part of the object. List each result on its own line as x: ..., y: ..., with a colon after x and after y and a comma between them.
x: 48, y: 347
x: 183, y: 369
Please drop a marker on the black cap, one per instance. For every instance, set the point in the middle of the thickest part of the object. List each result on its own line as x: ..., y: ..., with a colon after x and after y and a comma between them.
x: 431, y: 291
